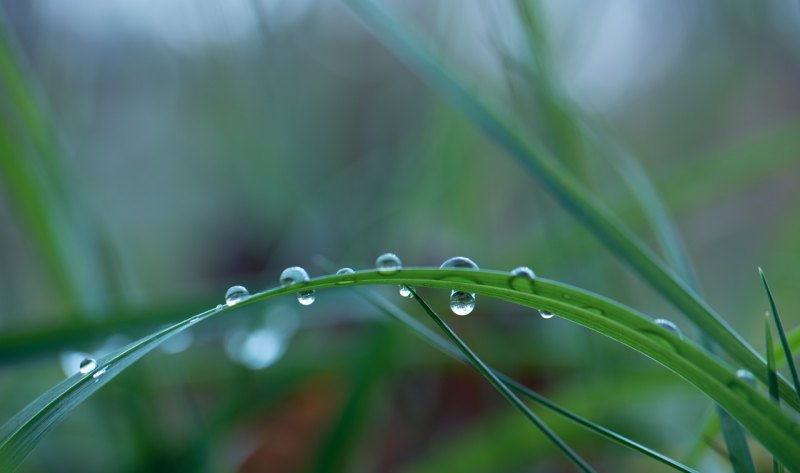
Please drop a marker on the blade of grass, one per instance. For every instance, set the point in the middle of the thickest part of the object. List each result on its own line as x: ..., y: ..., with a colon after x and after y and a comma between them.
x: 487, y: 373
x: 787, y: 352
x: 773, y: 380
x: 566, y: 189
x: 779, y: 433
x: 446, y: 347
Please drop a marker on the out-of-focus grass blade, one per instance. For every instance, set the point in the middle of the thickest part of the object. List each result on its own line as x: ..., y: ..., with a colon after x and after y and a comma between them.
x: 446, y: 347
x: 787, y: 351
x: 22, y: 432
x: 333, y: 453
x: 565, y: 188
x: 501, y: 387
x: 774, y: 394
x: 779, y: 433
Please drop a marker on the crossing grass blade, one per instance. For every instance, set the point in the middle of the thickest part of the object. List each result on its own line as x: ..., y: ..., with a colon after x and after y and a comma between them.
x: 773, y: 380
x: 487, y: 373
x: 779, y: 433
x: 446, y: 347
x: 566, y: 189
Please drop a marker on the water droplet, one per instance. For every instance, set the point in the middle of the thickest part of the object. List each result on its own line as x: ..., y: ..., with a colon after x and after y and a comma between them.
x: 461, y: 262
x: 462, y: 303
x: 306, y: 297
x: 669, y: 325
x: 388, y: 263
x: 87, y: 365
x: 342, y: 272
x: 523, y: 272
x: 294, y: 275
x: 405, y: 291
x: 746, y: 376
x: 545, y: 314
x: 97, y: 374
x: 194, y: 320
x: 234, y: 295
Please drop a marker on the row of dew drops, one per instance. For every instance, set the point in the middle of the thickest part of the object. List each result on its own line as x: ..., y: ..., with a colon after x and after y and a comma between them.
x: 461, y: 302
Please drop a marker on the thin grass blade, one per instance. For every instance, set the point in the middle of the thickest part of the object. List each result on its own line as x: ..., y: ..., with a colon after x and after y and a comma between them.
x: 774, y: 394
x: 501, y: 387
x: 787, y: 351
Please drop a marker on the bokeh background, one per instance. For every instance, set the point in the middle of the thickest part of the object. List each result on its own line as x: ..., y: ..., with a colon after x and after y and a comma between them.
x: 155, y: 153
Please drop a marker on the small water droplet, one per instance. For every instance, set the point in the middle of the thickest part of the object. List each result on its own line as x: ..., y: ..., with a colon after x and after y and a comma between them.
x: 523, y: 272
x: 388, y: 263
x: 97, y: 374
x: 294, y: 275
x: 306, y: 297
x: 194, y: 320
x: 746, y: 376
x: 87, y: 365
x: 545, y: 314
x: 235, y: 294
x: 342, y: 272
x: 405, y: 291
x: 462, y: 303
x: 669, y: 325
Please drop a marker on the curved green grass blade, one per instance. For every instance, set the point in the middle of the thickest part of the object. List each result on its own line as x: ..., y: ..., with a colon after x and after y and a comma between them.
x: 773, y: 380
x: 501, y: 386
x: 446, y: 347
x: 776, y: 431
x: 567, y: 190
x: 787, y: 350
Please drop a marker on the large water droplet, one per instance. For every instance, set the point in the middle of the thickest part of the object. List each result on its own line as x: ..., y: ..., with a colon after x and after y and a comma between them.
x: 746, y: 376
x: 388, y: 263
x: 405, y: 291
x: 87, y: 365
x: 294, y: 275
x: 545, y: 314
x: 235, y: 294
x: 462, y: 303
x: 523, y: 272
x: 669, y: 325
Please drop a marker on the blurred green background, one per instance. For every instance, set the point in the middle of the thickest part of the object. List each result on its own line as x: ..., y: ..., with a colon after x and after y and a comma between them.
x: 154, y: 153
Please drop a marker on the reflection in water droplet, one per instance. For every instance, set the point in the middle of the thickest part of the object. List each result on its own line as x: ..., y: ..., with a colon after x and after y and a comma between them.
x: 524, y: 272
x: 404, y: 291
x: 462, y: 303
x: 669, y: 325
x: 294, y: 275
x: 235, y: 294
x: 545, y: 314
x: 87, y: 365
x: 388, y: 263
x: 746, y: 376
